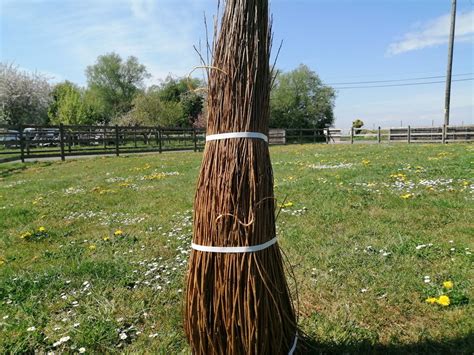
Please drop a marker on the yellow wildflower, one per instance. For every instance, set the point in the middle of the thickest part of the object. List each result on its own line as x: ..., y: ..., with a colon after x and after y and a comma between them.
x: 25, y: 235
x: 92, y: 247
x: 366, y: 162
x: 106, y: 238
x: 288, y: 204
x: 443, y: 300
x: 154, y: 176
x: 2, y: 262
x: 406, y: 196
x: 41, y: 229
x: 431, y: 300
x: 118, y: 232
x: 448, y: 284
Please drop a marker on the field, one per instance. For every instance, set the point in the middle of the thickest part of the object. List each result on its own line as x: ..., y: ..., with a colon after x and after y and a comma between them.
x: 93, y: 251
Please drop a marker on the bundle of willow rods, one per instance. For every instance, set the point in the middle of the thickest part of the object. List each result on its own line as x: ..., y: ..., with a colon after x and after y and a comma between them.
x: 238, y: 303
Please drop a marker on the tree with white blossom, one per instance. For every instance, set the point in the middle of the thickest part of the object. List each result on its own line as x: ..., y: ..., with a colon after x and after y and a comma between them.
x: 24, y: 97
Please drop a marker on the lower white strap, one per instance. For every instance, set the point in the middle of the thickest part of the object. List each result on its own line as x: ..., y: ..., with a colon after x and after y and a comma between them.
x: 257, y: 135
x: 249, y: 249
x: 293, y: 348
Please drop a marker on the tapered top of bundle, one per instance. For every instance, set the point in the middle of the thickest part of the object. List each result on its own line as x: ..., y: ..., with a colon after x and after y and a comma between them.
x: 239, y: 91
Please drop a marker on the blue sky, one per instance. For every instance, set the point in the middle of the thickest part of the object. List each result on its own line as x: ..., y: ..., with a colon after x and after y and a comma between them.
x: 343, y: 41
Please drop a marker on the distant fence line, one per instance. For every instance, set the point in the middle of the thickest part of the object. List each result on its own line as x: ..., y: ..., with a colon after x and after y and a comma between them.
x: 34, y: 141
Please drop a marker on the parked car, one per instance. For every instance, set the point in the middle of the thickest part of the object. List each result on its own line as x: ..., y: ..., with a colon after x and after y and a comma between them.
x: 42, y: 137
x: 10, y: 138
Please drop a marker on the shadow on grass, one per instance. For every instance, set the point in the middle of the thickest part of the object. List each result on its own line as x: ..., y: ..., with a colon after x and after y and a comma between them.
x: 11, y: 169
x: 464, y: 345
x: 16, y: 168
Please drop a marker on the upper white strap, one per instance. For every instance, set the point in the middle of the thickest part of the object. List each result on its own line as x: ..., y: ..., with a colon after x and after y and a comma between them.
x: 258, y: 135
x: 248, y: 249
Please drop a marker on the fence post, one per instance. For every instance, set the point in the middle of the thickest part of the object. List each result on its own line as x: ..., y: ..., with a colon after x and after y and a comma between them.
x: 69, y: 143
x: 443, y: 134
x: 409, y: 134
x: 135, y: 136
x: 27, y: 144
x: 195, y: 140
x: 327, y: 135
x: 105, y: 137
x: 61, y: 141
x: 157, y: 139
x: 22, y: 143
x: 352, y: 135
x: 379, y: 136
x: 160, y: 148
x: 117, y: 140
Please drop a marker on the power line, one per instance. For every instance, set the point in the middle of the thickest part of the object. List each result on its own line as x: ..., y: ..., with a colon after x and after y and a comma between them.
x: 394, y: 80
x: 391, y: 85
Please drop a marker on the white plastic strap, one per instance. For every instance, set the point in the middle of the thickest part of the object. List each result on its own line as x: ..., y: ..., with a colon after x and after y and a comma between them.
x: 249, y: 249
x: 293, y: 348
x: 258, y: 135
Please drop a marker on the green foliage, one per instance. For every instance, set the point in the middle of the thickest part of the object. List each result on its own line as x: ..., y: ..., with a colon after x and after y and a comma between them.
x: 116, y: 82
x: 300, y: 100
x: 149, y: 109
x: 358, y: 123
x: 174, y: 103
x: 95, y: 107
x: 182, y: 91
x: 67, y: 105
x: 192, y: 104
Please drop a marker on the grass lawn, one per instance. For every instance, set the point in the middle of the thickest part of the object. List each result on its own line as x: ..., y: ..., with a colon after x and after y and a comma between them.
x: 93, y: 251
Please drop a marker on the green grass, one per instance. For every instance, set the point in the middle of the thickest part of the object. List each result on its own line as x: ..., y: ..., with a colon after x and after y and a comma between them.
x: 356, y: 220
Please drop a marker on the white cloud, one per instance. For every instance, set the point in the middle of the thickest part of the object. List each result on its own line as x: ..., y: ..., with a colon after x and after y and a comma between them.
x: 142, y: 8
x: 435, y: 32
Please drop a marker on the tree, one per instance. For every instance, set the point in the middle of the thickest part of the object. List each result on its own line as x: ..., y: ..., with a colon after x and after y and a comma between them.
x: 95, y: 107
x: 300, y: 100
x: 150, y: 109
x: 116, y: 82
x: 357, y: 124
x: 68, y: 105
x: 24, y: 97
x: 183, y: 91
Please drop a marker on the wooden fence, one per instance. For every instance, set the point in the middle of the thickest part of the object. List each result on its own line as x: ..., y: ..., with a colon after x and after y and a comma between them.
x: 32, y: 141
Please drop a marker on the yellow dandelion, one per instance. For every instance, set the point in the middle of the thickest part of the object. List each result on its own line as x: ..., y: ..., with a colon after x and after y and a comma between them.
x: 406, y: 196
x: 92, y: 247
x: 288, y: 204
x: 118, y: 232
x: 366, y: 162
x: 41, y: 229
x: 443, y: 300
x: 448, y: 284
x: 106, y: 238
x: 431, y: 300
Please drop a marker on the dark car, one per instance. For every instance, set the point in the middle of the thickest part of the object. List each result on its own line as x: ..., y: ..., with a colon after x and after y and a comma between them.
x: 10, y: 138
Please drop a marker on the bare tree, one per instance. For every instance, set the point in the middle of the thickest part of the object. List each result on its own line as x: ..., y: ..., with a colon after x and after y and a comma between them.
x: 24, y: 97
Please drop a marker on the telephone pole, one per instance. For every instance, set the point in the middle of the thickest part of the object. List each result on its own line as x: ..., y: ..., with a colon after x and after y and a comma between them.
x: 450, y: 64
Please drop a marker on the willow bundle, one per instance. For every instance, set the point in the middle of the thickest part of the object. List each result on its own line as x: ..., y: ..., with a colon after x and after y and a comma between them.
x: 238, y: 302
